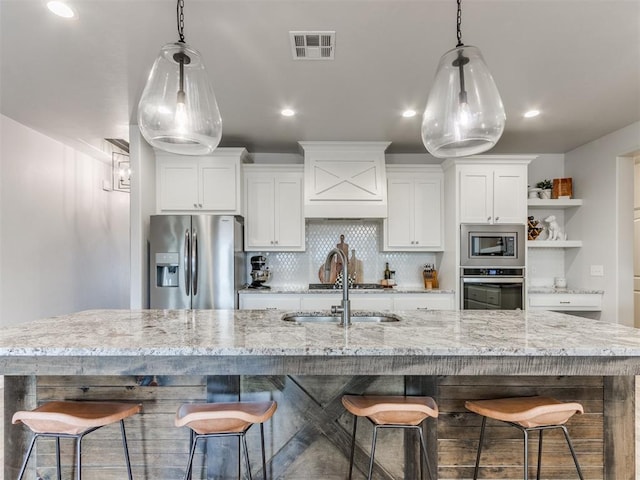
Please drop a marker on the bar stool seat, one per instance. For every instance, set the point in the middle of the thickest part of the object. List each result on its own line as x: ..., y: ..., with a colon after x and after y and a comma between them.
x: 386, y: 411
x: 70, y: 419
x: 207, y: 420
x: 528, y: 414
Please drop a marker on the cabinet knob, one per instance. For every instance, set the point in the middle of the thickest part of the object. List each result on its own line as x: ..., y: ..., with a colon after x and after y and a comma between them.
x: 497, y: 218
x: 488, y: 219
x: 417, y: 242
x: 195, y: 205
x: 200, y: 205
x: 276, y: 242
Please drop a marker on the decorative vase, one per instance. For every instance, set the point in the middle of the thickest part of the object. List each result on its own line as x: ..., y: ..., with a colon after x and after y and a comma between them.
x: 545, y: 194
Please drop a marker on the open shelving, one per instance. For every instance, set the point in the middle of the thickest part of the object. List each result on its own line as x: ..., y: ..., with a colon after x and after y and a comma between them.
x: 554, y: 203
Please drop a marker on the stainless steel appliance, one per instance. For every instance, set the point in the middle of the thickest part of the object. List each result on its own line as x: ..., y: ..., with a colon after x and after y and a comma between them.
x: 260, y: 273
x: 492, y: 288
x: 196, y: 261
x: 500, y: 245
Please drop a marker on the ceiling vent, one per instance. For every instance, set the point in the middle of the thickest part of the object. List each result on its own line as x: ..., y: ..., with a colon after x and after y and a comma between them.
x: 313, y: 45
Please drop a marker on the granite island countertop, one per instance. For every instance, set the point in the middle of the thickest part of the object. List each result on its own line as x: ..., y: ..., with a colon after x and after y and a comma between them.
x: 259, y: 342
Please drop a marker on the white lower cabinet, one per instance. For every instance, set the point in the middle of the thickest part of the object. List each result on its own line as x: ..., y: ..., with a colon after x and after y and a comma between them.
x: 362, y: 301
x: 577, y: 302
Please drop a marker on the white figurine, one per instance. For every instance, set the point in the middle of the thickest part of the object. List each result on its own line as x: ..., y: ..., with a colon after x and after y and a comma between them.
x: 554, y: 229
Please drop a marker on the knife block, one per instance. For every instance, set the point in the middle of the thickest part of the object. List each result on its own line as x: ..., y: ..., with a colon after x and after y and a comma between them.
x: 430, y: 279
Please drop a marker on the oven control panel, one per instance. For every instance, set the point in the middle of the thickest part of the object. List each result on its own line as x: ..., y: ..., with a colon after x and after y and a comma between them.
x: 493, y: 272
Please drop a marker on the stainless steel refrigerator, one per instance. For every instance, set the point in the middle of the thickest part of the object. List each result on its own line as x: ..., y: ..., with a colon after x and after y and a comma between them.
x: 196, y: 261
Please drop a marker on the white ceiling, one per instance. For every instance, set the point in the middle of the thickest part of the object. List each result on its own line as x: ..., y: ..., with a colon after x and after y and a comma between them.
x: 576, y: 60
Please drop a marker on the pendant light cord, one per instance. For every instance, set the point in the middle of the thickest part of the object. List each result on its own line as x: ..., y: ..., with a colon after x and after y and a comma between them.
x: 180, y: 18
x: 459, y: 25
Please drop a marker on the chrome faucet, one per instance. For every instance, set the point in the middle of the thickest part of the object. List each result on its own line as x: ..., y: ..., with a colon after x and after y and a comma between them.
x: 345, y: 308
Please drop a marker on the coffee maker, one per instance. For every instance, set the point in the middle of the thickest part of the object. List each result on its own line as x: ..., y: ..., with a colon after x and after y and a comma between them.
x: 260, y: 273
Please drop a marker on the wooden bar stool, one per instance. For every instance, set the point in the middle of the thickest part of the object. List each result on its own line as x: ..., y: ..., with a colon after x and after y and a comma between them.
x: 208, y: 420
x: 390, y: 412
x: 74, y: 420
x: 527, y: 414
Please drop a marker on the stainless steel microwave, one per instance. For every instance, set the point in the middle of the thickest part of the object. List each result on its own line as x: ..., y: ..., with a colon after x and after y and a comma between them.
x: 501, y: 245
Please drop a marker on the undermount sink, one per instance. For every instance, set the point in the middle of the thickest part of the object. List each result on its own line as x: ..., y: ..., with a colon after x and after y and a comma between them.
x: 325, y: 318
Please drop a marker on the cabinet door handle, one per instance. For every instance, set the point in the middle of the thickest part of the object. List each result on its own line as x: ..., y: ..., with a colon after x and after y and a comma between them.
x: 565, y: 302
x: 488, y: 219
x: 195, y: 205
x: 417, y: 242
x: 422, y: 308
x: 276, y: 242
x: 497, y: 218
x: 271, y: 308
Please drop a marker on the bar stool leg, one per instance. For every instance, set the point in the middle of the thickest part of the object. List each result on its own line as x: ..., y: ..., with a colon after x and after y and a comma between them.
x: 264, y: 461
x: 573, y: 452
x: 353, y: 445
x: 26, y: 459
x: 423, y: 444
x: 373, y: 451
x: 58, y: 468
x: 526, y: 454
x: 246, y: 455
x: 539, y: 455
x: 475, y: 471
x: 79, y: 458
x: 192, y: 451
x: 126, y: 449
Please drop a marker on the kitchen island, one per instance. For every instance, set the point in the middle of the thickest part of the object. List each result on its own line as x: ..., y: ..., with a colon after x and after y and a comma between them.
x: 426, y: 350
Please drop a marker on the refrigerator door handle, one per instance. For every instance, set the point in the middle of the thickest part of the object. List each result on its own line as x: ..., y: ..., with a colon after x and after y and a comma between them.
x: 187, y: 270
x: 194, y: 263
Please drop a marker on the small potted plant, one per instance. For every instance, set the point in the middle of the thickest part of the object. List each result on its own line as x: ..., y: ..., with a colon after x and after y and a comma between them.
x: 545, y: 188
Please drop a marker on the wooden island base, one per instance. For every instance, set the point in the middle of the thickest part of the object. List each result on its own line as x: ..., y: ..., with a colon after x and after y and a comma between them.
x: 309, y: 436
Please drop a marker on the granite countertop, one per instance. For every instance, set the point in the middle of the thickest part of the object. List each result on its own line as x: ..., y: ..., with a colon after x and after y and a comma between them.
x: 150, y: 333
x: 579, y: 291
x: 305, y: 290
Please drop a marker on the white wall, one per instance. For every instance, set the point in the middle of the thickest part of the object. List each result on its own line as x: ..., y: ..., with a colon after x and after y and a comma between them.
x: 604, y: 179
x: 65, y: 241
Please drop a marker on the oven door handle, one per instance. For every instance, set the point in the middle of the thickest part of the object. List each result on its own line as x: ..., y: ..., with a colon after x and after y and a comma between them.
x: 492, y: 280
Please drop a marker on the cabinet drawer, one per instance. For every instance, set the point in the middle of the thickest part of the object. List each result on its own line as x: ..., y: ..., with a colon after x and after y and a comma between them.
x: 269, y: 302
x: 568, y: 302
x: 320, y: 301
x: 427, y: 301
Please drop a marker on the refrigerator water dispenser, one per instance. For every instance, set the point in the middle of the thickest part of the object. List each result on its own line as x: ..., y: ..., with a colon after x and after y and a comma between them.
x: 167, y: 269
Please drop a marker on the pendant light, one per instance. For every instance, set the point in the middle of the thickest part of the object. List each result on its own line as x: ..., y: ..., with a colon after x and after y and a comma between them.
x: 178, y: 111
x: 464, y: 113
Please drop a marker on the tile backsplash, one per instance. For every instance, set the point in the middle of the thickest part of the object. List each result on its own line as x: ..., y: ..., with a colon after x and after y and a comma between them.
x: 298, y: 269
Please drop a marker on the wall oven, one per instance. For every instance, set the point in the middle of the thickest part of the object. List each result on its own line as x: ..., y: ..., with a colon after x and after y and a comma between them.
x: 492, y: 288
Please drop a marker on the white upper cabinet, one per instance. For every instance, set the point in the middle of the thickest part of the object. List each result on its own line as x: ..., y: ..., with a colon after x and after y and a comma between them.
x: 274, y: 219
x: 344, y: 179
x: 492, y: 193
x: 207, y: 184
x: 415, y: 200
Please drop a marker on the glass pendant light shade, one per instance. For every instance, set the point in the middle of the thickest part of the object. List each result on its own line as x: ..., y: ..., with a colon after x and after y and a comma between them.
x: 464, y: 113
x: 178, y: 111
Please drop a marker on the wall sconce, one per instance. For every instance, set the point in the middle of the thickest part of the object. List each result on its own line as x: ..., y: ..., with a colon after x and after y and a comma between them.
x: 121, y: 172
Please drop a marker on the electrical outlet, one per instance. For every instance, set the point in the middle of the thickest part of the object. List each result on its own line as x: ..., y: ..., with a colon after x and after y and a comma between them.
x: 597, y: 270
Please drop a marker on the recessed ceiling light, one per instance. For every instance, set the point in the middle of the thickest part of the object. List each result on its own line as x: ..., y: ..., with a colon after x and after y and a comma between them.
x: 409, y: 113
x: 531, y: 113
x: 287, y: 112
x: 61, y: 9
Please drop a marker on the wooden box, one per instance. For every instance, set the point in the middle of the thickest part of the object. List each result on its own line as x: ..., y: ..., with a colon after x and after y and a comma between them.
x: 562, y: 188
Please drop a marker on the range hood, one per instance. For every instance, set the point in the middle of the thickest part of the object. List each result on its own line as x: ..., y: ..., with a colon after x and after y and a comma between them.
x: 345, y: 179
